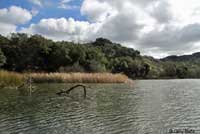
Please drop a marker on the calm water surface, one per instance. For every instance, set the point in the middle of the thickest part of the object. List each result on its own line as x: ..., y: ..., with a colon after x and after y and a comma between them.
x: 147, y: 107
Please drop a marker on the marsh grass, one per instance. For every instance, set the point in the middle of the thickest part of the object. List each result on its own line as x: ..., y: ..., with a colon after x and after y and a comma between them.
x: 11, y: 79
x: 78, y: 78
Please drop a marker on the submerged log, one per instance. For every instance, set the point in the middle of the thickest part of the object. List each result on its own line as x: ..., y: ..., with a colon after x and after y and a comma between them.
x: 72, y: 88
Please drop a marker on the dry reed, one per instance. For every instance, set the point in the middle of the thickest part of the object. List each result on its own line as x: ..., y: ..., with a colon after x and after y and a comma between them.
x: 78, y: 78
x: 11, y: 79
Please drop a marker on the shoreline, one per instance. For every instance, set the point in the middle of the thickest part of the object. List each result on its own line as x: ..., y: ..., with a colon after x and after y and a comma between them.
x: 168, y: 79
x: 14, y: 79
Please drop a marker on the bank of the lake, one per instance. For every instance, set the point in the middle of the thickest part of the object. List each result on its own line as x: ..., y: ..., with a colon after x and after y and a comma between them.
x: 14, y: 79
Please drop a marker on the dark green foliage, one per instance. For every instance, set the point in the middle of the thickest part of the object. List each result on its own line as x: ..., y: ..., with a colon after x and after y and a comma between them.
x: 182, y: 72
x: 169, y: 70
x: 194, y: 58
x: 187, y: 66
x: 132, y: 68
x: 175, y: 70
x: 24, y: 53
x: 113, y: 50
x: 95, y: 60
x: 21, y: 52
x: 2, y: 58
x: 57, y: 56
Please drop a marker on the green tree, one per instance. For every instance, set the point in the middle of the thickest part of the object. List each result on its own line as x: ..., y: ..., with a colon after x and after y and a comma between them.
x: 132, y: 68
x: 169, y: 69
x: 95, y: 60
x: 2, y: 59
x: 182, y: 71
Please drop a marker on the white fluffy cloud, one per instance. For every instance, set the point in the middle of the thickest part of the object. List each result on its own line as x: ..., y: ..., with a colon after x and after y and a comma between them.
x: 155, y: 27
x: 171, y: 40
x: 65, y: 4
x: 7, y: 28
x: 96, y: 10
x: 63, y: 29
x: 14, y: 15
x: 36, y: 2
x: 11, y: 17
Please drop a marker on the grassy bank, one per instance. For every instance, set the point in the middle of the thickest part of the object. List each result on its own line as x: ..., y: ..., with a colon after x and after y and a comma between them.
x: 78, y: 78
x: 13, y: 79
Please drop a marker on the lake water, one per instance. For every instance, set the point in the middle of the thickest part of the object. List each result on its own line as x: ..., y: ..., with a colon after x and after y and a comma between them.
x: 146, y: 107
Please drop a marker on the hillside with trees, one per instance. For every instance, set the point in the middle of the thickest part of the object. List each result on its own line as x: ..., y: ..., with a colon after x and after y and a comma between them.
x: 22, y: 53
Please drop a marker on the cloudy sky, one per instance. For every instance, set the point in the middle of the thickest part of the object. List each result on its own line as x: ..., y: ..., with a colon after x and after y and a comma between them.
x: 155, y: 27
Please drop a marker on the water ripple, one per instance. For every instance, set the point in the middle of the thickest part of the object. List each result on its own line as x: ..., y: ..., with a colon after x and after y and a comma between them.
x: 148, y: 107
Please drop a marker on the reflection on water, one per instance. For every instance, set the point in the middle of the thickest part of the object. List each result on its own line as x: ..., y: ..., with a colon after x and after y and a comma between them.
x: 153, y: 106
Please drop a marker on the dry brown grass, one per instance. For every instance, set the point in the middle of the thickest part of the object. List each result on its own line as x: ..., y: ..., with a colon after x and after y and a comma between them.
x: 78, y: 78
x: 11, y: 79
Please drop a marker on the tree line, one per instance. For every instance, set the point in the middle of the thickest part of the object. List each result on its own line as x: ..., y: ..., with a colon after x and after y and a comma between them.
x: 23, y: 53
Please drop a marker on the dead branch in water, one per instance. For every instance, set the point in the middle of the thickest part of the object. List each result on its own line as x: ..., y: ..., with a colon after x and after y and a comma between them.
x: 72, y: 88
x: 28, y: 84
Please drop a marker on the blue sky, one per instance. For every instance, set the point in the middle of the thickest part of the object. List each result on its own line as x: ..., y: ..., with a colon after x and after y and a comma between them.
x: 48, y: 9
x: 155, y: 27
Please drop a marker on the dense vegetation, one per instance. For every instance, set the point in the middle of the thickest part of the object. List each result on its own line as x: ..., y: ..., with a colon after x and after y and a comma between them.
x: 23, y: 53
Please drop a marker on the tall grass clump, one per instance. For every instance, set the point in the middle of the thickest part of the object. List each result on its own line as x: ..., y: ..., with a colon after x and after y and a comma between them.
x: 10, y: 79
x: 78, y: 78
